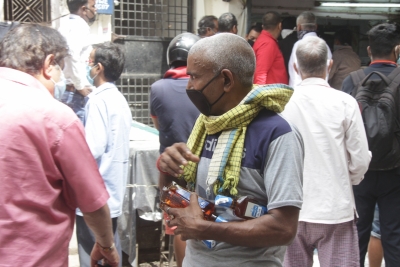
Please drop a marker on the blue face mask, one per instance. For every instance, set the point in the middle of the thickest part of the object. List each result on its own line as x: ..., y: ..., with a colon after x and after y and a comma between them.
x: 59, y: 87
x: 90, y: 79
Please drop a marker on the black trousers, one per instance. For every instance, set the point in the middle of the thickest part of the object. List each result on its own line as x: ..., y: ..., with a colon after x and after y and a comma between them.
x: 382, y: 187
x: 86, y: 241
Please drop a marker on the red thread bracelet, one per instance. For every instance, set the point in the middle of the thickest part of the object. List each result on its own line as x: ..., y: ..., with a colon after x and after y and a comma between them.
x: 158, y: 166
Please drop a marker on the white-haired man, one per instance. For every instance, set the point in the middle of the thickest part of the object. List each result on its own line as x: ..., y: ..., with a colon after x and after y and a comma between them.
x: 336, y: 157
x: 306, y: 24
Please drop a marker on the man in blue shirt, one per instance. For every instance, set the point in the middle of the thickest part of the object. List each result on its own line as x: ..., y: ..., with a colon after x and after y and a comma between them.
x: 107, y: 124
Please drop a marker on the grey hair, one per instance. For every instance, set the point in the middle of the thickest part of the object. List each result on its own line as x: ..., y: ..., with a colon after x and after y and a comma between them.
x: 227, y: 51
x: 307, y: 20
x: 312, y: 56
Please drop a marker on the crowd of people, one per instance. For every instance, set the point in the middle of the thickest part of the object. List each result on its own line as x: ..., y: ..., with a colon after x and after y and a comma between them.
x: 335, y: 187
x: 307, y: 133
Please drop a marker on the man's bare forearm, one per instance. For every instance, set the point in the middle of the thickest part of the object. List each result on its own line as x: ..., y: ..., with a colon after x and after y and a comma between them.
x: 265, y: 231
x: 100, y: 223
x: 277, y: 228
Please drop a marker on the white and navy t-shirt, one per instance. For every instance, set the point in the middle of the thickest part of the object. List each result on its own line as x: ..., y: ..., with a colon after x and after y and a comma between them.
x: 271, y: 171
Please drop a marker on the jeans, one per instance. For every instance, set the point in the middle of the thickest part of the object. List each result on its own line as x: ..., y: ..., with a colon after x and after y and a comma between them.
x: 376, y: 227
x: 76, y: 101
x: 382, y: 188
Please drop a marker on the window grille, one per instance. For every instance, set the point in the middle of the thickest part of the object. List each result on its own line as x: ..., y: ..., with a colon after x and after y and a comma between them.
x: 137, y: 93
x: 162, y: 18
x: 27, y: 10
x: 146, y: 22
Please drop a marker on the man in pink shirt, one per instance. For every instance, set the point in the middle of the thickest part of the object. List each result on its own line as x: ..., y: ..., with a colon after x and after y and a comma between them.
x: 270, y: 65
x: 46, y: 168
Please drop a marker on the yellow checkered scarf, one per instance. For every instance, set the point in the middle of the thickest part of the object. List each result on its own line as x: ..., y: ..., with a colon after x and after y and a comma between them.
x: 224, y: 170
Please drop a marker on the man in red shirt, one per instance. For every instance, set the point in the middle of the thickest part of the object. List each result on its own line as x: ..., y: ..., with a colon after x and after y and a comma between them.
x: 270, y: 65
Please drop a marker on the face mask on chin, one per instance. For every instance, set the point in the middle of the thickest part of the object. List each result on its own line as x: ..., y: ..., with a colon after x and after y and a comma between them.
x: 300, y: 34
x: 199, y: 99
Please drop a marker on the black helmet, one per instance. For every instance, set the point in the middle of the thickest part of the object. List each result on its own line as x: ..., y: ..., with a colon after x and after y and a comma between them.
x: 179, y: 47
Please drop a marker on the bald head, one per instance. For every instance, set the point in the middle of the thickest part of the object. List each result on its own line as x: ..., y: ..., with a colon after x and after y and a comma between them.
x: 226, y: 51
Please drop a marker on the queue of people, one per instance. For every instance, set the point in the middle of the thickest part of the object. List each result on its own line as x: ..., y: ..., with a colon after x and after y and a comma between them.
x: 232, y: 121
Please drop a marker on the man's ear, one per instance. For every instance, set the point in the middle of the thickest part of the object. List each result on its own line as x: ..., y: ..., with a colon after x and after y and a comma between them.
x: 329, y: 66
x: 48, y: 67
x: 83, y: 8
x: 99, y: 70
x: 228, y: 80
x: 369, y: 52
x: 295, y: 68
x: 235, y: 29
x: 100, y: 66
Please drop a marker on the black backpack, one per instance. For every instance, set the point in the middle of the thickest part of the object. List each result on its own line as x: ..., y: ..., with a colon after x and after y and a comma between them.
x: 379, y: 104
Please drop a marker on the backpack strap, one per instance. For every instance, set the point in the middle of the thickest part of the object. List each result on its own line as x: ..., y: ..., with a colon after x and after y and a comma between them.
x: 356, y: 77
x: 394, y: 77
x: 394, y: 86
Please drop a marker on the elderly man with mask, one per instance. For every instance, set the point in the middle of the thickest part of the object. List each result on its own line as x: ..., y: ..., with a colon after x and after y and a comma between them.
x: 239, y: 146
x: 46, y: 168
x: 306, y: 24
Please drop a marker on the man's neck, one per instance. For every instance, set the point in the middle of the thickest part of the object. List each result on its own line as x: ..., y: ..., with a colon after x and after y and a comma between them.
x: 314, y: 76
x: 275, y: 33
x: 389, y: 58
x: 80, y: 14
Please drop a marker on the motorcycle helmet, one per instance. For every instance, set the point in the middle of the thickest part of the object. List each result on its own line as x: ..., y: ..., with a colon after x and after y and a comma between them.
x: 178, y: 48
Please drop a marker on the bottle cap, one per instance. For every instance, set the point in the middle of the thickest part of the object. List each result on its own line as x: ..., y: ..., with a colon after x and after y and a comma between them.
x: 223, y: 201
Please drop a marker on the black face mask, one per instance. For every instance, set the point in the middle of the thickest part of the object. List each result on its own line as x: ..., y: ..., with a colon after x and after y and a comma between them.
x: 200, y: 101
x: 251, y: 42
x: 93, y: 19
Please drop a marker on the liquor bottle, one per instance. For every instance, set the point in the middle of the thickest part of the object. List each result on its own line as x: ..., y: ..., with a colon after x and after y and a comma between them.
x: 175, y: 196
x: 244, y: 207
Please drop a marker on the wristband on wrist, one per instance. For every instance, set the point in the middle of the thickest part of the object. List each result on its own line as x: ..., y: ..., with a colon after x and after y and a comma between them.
x: 106, y: 249
x: 158, y: 166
